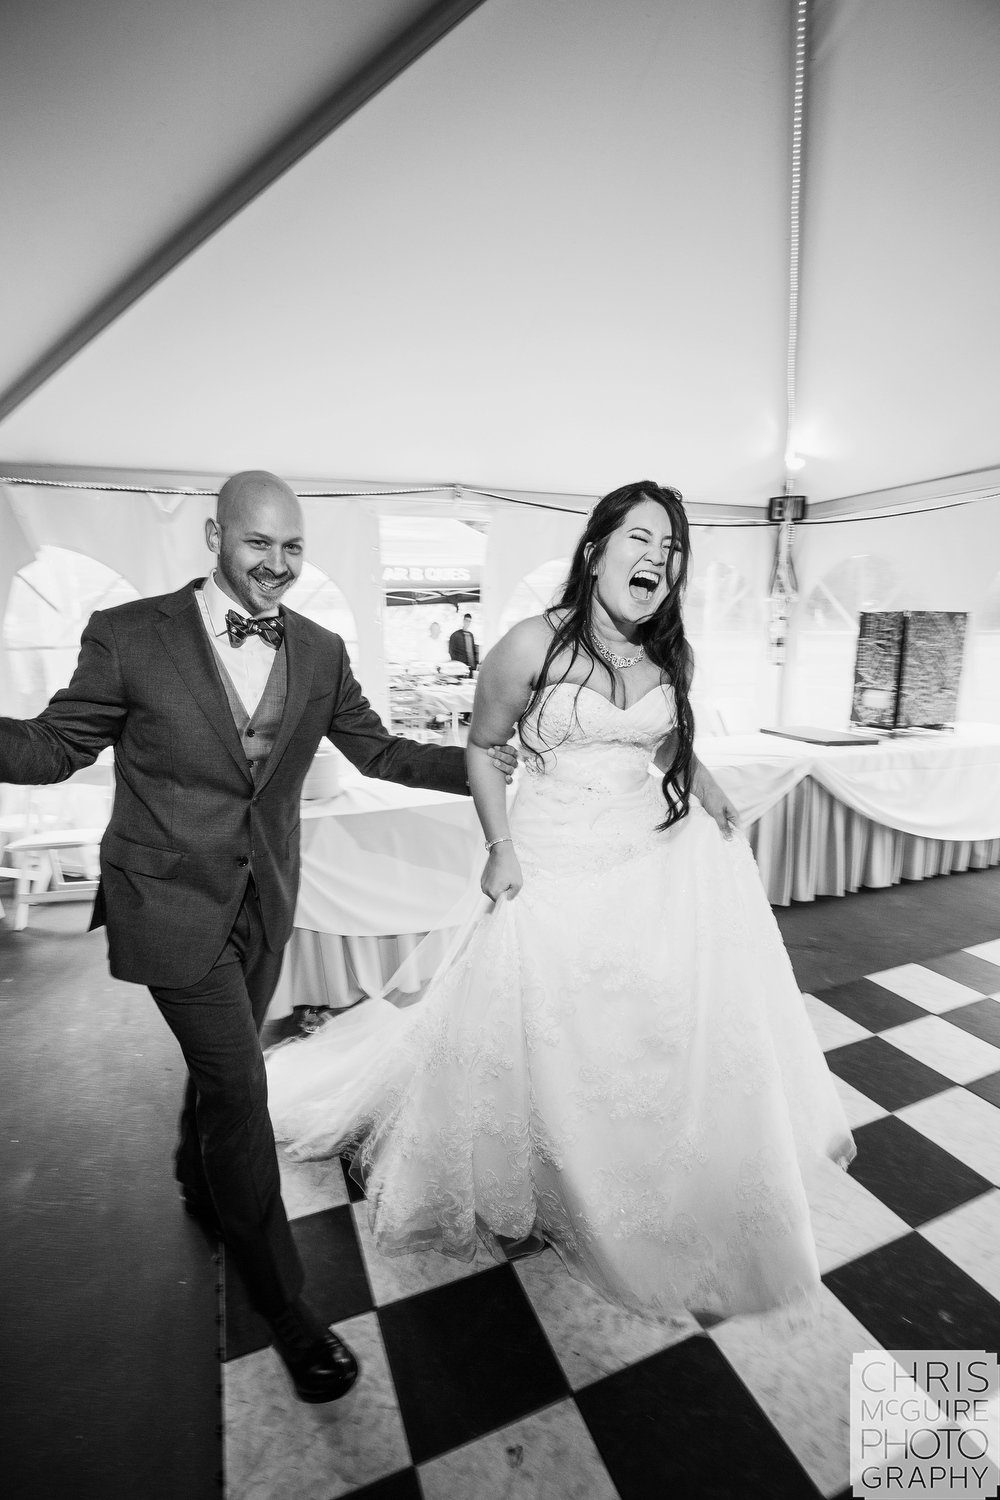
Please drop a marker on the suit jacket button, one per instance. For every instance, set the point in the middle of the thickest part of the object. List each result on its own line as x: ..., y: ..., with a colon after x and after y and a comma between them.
x: 242, y: 861
x: 249, y: 733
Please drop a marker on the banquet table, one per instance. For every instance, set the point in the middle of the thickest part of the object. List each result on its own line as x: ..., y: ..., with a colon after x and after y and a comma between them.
x: 447, y: 700
x: 383, y: 865
x: 824, y: 820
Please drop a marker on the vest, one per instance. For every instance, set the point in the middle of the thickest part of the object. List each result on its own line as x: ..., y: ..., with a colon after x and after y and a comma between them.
x: 259, y: 730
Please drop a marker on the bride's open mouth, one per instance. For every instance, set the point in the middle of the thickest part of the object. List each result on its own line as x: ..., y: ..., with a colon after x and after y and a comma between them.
x: 643, y: 584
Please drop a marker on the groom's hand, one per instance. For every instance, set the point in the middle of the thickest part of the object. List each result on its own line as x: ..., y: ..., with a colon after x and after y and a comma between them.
x: 504, y: 757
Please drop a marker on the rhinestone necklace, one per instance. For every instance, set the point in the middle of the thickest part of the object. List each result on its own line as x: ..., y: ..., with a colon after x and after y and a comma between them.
x: 614, y: 660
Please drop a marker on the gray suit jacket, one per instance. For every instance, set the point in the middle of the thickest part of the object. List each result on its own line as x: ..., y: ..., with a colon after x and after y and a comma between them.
x: 188, y: 820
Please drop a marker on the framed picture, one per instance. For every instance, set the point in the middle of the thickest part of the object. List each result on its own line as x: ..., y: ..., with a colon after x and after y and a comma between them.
x: 907, y: 669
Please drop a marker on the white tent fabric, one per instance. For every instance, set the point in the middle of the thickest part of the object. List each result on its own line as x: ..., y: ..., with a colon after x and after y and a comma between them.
x: 552, y: 254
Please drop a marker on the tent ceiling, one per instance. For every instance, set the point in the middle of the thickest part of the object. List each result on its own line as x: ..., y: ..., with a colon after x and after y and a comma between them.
x: 552, y: 255
x: 121, y: 119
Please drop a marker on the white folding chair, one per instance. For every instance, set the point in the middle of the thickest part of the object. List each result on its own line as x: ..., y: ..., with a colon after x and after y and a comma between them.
x: 53, y: 838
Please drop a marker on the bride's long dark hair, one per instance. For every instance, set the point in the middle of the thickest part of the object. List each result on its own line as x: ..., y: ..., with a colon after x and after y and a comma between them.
x: 662, y: 635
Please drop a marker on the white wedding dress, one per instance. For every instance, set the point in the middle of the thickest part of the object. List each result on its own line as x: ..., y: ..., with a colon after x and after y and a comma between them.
x: 618, y: 1059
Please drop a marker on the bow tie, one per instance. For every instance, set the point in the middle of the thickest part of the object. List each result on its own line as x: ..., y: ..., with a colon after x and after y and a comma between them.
x: 271, y: 629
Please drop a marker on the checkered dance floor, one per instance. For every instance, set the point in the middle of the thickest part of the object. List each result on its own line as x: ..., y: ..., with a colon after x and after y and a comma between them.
x: 516, y: 1381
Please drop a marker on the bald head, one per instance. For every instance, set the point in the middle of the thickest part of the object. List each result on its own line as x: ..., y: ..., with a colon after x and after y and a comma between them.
x: 257, y: 536
x: 244, y: 493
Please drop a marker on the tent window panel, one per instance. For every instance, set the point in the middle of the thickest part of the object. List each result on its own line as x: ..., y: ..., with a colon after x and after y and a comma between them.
x: 535, y: 593
x: 827, y: 636
x: 315, y: 595
x: 979, y: 701
x: 50, y: 601
x: 725, y: 623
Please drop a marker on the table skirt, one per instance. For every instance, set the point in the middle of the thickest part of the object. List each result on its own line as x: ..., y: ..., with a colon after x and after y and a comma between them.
x: 809, y: 845
x: 323, y: 969
x: 812, y: 845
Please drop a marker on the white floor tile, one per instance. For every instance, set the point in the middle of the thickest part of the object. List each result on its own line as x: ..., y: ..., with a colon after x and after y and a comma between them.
x: 801, y: 1379
x: 945, y: 1048
x: 279, y: 1448
x: 309, y: 1187
x: 962, y: 1123
x: 847, y: 1219
x: 933, y: 991
x: 831, y: 1027
x: 548, y: 1454
x: 589, y: 1335
x: 394, y: 1276
x: 990, y: 951
x: 970, y: 1236
x: 859, y: 1109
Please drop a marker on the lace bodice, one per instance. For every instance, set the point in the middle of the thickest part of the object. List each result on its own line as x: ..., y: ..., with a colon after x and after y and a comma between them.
x: 574, y: 729
x: 587, y: 799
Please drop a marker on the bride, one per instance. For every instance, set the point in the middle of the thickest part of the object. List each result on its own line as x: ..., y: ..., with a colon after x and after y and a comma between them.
x: 614, y: 1056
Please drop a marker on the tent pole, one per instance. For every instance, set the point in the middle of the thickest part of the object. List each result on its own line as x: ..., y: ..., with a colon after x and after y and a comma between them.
x: 783, y: 590
x: 379, y: 71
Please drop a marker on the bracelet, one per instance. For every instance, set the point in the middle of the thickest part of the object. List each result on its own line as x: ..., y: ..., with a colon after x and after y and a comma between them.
x: 492, y: 843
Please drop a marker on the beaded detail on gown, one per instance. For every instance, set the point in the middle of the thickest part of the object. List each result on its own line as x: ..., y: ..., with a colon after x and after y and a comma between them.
x: 618, y: 1059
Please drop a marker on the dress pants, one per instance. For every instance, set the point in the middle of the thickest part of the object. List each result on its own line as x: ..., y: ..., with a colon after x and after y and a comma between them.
x: 226, y: 1146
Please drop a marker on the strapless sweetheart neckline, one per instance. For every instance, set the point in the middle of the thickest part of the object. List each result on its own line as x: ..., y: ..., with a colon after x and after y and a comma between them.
x: 583, y: 687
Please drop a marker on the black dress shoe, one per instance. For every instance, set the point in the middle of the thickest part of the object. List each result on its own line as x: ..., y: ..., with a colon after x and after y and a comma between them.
x: 200, y: 1206
x: 321, y: 1365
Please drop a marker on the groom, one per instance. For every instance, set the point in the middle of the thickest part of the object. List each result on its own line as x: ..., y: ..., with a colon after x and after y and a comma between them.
x: 215, y: 700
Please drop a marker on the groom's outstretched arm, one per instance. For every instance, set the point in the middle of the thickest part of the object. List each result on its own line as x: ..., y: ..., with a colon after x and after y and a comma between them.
x: 78, y: 723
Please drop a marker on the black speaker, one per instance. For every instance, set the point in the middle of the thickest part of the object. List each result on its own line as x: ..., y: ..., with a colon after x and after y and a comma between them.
x: 786, y: 507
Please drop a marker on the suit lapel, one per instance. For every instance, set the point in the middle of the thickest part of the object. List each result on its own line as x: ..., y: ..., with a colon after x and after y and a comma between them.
x: 186, y: 642
x: 299, y: 669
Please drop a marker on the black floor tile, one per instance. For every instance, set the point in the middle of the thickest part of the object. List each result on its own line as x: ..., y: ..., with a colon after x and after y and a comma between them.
x: 870, y: 1004
x: 683, y: 1423
x: 467, y: 1358
x: 355, y: 1191
x: 987, y: 1088
x: 910, y: 1296
x: 884, y: 1073
x: 981, y: 1019
x: 336, y: 1281
x: 910, y: 1174
x: 966, y: 968
x: 402, y: 1486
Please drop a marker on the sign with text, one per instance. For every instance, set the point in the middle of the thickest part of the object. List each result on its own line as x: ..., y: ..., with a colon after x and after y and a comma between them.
x: 431, y: 575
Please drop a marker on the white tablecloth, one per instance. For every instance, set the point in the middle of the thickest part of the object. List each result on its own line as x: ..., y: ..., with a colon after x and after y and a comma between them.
x: 382, y: 865
x: 824, y: 820
x: 442, y: 700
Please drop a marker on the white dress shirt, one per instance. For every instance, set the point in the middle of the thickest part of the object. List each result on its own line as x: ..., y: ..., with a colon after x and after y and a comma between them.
x: 248, y: 665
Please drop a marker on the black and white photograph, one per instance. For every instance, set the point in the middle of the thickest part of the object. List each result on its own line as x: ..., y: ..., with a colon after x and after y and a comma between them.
x: 500, y: 749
